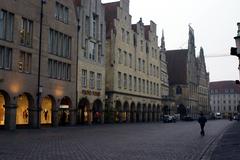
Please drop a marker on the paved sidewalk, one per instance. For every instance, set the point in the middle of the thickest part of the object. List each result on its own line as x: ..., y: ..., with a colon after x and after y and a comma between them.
x: 228, y: 148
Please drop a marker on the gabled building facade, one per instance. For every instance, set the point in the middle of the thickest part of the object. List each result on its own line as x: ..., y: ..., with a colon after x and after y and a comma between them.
x: 91, y: 62
x: 187, y: 83
x: 132, y: 67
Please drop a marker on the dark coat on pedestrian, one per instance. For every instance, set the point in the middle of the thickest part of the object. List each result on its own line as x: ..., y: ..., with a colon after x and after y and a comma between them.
x: 202, y: 120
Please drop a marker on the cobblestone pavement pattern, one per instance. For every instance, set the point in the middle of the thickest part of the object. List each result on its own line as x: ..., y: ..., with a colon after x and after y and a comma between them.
x: 145, y: 141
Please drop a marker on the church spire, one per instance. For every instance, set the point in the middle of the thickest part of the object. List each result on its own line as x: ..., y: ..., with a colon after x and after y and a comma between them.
x: 191, y: 40
x: 162, y: 47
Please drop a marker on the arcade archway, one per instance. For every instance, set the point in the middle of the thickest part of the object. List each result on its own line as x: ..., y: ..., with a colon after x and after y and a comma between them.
x: 125, y: 113
x: 182, y: 110
x: 144, y: 113
x: 149, y: 111
x: 117, y: 112
x: 24, y: 102
x: 64, y: 111
x: 47, y: 104
x: 97, y: 111
x: 133, y: 112
x: 139, y: 113
x: 84, y: 112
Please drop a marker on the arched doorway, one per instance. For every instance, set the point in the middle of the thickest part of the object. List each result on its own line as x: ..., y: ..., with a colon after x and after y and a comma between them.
x: 154, y: 113
x: 63, y: 111
x: 117, y: 112
x: 133, y: 112
x: 24, y: 101
x: 125, y: 113
x: 149, y: 111
x: 158, y: 112
x: 84, y: 112
x: 182, y: 110
x: 144, y: 113
x: 139, y: 113
x: 166, y: 110
x: 47, y: 104
x: 97, y: 111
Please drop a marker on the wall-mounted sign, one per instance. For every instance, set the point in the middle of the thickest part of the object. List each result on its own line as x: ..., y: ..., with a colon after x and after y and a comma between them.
x: 90, y: 93
x: 64, y: 106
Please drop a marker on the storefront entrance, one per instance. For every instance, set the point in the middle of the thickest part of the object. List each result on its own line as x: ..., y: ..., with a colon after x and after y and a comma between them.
x: 22, y: 113
x: 63, y: 111
x: 84, y: 115
x: 46, y: 113
x: 117, y: 112
x: 97, y: 112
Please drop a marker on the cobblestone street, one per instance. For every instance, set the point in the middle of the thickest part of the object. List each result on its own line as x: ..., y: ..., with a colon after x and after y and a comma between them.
x: 143, y: 141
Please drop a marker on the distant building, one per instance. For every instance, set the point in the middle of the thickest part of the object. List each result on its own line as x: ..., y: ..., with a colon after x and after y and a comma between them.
x: 224, y: 97
x: 188, y: 79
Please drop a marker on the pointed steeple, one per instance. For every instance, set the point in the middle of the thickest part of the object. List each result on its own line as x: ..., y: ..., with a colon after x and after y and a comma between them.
x: 191, y: 40
x: 162, y: 47
x: 201, y: 52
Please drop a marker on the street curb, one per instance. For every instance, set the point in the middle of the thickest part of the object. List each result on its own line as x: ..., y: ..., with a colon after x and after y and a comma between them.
x: 208, y: 150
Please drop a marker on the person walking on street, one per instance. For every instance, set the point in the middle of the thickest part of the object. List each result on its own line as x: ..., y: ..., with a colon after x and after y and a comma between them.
x: 202, y: 120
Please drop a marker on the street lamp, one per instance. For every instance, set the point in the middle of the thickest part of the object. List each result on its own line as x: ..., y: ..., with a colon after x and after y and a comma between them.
x: 39, y: 87
x: 235, y: 51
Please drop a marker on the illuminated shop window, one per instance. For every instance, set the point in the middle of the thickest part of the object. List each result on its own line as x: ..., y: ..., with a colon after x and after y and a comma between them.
x: 46, y: 112
x: 2, y: 110
x: 22, y: 114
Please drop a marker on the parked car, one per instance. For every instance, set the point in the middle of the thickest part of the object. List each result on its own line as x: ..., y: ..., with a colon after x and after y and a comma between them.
x: 169, y: 118
x: 187, y: 118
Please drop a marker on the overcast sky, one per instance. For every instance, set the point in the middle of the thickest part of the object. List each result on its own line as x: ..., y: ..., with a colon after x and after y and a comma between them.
x: 214, y: 23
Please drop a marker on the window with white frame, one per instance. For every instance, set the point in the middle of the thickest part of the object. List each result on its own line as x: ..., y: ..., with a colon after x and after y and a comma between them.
x: 84, y: 78
x: 130, y: 82
x: 61, y: 13
x: 92, y: 50
x: 94, y: 26
x: 143, y: 65
x: 26, y: 32
x: 119, y: 80
x: 120, y: 56
x: 130, y: 60
x: 100, y: 54
x: 125, y: 58
x: 139, y: 64
x: 135, y: 84
x: 125, y: 80
x: 128, y: 37
x: 59, y: 44
x: 25, y: 63
x: 87, y: 26
x: 92, y: 80
x: 139, y: 85
x: 6, y: 25
x: 123, y: 35
x: 99, y: 81
x: 5, y: 58
x: 151, y: 88
x: 147, y: 87
x: 143, y: 85
x: 59, y: 70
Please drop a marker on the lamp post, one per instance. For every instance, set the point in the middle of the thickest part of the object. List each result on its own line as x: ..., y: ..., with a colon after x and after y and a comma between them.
x: 39, y: 88
x: 235, y: 51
